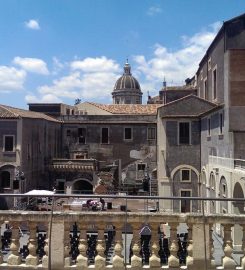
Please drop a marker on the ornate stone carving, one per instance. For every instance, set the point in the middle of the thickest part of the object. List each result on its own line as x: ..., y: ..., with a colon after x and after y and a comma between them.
x: 100, y: 260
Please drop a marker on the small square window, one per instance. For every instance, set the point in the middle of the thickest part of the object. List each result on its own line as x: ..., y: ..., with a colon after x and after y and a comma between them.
x: 185, y: 175
x: 141, y: 166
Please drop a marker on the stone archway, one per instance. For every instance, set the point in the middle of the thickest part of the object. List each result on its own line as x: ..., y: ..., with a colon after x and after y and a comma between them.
x: 82, y: 186
x: 238, y: 208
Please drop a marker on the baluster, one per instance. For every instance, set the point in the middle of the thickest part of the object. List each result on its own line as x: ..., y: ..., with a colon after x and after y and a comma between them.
x: 67, y: 258
x: 211, y: 248
x: 136, y: 260
x: 154, y: 259
x: 173, y: 260
x: 190, y: 259
x: 32, y: 258
x: 117, y: 260
x: 100, y: 259
x: 14, y: 257
x: 82, y: 259
x: 45, y: 259
x: 228, y: 261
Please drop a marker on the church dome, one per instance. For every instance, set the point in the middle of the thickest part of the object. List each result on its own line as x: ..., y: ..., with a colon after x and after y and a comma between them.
x: 127, y: 89
x: 127, y: 81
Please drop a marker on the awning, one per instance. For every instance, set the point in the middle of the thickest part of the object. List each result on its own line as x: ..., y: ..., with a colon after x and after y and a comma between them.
x: 40, y: 192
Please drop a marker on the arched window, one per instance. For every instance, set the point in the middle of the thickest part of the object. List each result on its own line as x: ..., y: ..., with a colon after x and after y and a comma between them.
x: 5, y: 179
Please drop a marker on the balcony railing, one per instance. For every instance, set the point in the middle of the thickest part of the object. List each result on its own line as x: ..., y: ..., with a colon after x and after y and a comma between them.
x: 70, y: 239
x: 221, y: 162
x: 74, y: 164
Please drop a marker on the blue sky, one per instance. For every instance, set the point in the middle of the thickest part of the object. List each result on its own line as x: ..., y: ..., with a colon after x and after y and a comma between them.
x: 60, y: 50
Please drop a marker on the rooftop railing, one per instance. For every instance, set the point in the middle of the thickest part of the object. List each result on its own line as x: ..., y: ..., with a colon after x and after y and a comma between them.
x: 74, y: 234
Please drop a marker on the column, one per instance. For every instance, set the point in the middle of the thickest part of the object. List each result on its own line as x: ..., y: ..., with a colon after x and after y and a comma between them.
x: 136, y: 260
x: 14, y: 257
x: 32, y: 258
x: 100, y: 260
x: 67, y: 258
x: 190, y: 259
x: 82, y: 259
x: 228, y: 261
x: 154, y: 259
x: 173, y: 260
x: 117, y: 260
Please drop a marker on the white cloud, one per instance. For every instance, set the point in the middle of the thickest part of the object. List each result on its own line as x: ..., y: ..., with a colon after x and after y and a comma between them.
x: 153, y: 10
x: 49, y: 98
x: 11, y: 79
x: 34, y: 65
x: 32, y: 24
x: 98, y: 64
x: 90, y: 78
x: 176, y: 65
x: 57, y: 65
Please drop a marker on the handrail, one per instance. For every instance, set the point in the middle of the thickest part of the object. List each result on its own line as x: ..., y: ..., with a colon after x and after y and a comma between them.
x: 90, y: 196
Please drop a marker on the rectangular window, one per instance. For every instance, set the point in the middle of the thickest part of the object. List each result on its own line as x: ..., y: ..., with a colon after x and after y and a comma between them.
x: 209, y: 127
x: 221, y: 123
x: 185, y: 175
x: 185, y: 203
x: 128, y: 134
x: 8, y: 143
x: 140, y: 171
x: 104, y: 135
x: 151, y: 133
x: 205, y: 89
x: 82, y: 135
x: 214, y: 84
x: 184, y: 133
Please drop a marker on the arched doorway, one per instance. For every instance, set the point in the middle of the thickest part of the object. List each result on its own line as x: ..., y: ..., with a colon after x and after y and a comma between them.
x: 238, y: 208
x: 82, y: 186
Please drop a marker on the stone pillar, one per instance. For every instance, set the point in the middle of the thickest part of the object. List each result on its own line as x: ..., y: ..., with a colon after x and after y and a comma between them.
x: 82, y: 259
x: 228, y: 261
x: 32, y: 258
x: 67, y: 258
x: 100, y: 260
x: 14, y: 257
x: 154, y: 261
x: 173, y: 260
x: 190, y: 259
x: 136, y: 260
x: 243, y: 247
x: 211, y: 248
x: 117, y: 260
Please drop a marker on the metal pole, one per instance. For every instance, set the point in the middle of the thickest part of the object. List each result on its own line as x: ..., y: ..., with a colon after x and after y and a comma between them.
x: 205, y: 237
x: 125, y: 233
x: 50, y: 232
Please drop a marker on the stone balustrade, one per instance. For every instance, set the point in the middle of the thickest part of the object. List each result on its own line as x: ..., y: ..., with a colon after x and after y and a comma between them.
x: 86, y: 240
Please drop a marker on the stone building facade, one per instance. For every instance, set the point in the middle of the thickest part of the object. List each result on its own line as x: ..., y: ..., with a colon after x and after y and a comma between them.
x: 28, y: 141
